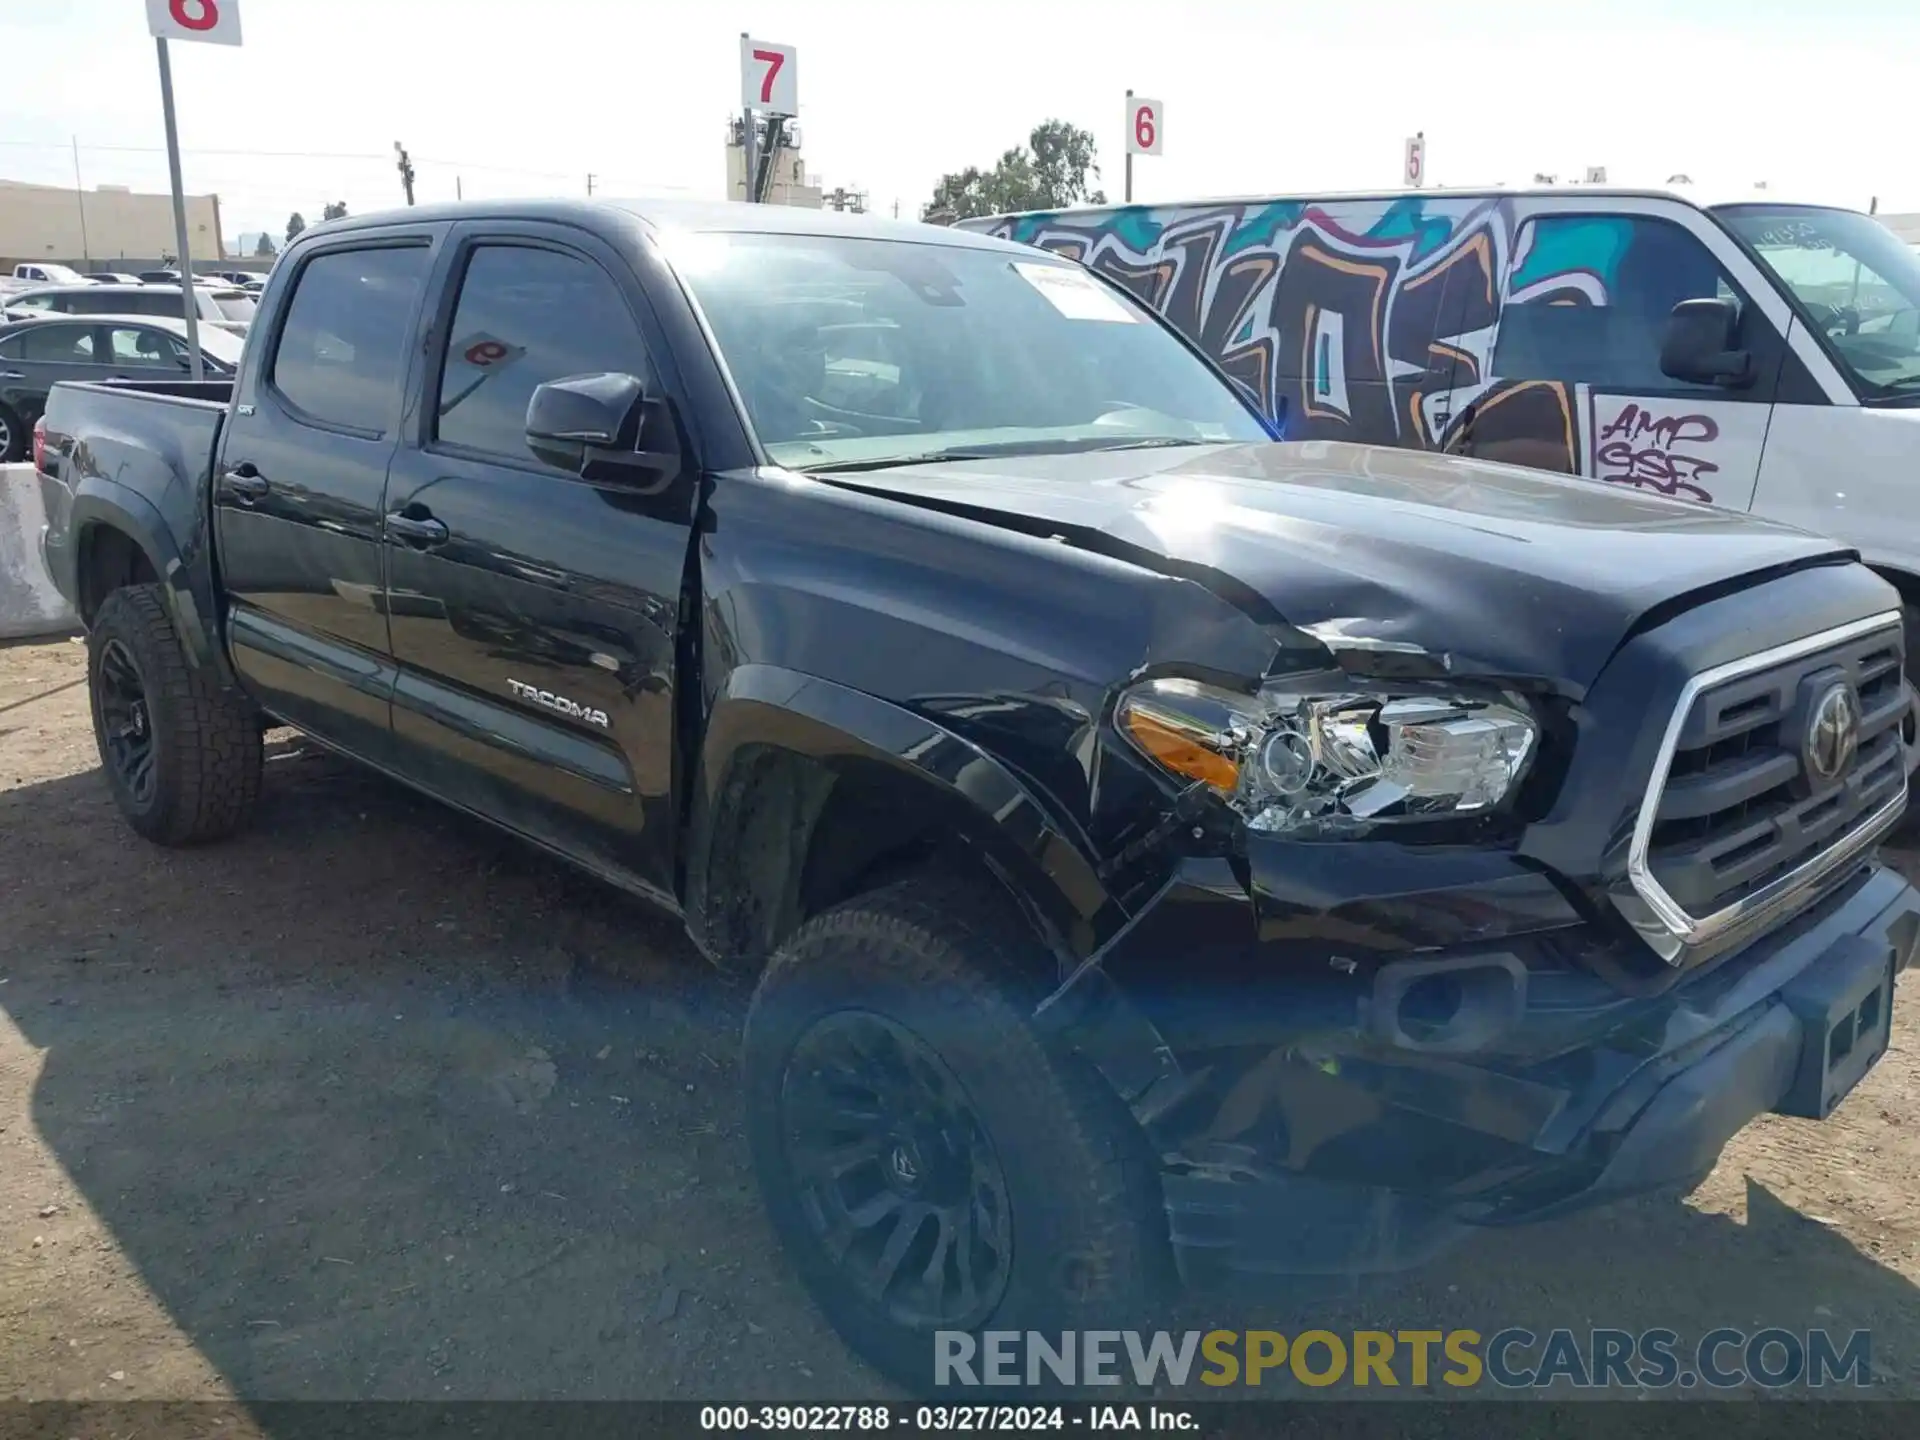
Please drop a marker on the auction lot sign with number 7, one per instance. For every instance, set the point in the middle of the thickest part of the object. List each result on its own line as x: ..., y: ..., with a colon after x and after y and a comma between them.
x: 769, y: 77
x: 214, y: 22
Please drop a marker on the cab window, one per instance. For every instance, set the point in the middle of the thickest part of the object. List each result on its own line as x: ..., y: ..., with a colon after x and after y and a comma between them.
x: 1588, y: 297
x: 526, y: 316
x: 343, y: 345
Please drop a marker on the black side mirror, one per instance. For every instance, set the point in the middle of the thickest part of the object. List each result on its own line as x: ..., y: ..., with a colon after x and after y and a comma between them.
x: 1699, y: 345
x: 569, y: 418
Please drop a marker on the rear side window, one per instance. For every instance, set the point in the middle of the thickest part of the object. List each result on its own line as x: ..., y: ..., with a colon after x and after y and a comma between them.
x: 145, y: 347
x: 526, y: 316
x: 342, y: 350
x: 58, y: 344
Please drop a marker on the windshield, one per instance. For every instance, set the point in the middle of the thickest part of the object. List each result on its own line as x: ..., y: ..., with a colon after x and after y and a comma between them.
x: 866, y: 352
x: 234, y: 305
x: 1857, y: 282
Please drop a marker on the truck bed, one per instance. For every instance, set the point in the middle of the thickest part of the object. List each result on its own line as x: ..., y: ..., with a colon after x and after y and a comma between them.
x: 148, y: 453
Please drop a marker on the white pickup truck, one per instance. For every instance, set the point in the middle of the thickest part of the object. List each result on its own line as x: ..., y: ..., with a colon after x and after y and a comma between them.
x: 1749, y: 353
x: 1757, y: 354
x: 47, y: 274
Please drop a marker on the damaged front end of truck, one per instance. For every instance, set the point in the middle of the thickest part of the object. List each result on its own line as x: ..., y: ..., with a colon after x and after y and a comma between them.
x: 1401, y: 955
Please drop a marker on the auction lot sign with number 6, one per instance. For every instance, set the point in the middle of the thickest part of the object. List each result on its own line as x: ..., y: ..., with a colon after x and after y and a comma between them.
x: 1145, y: 121
x: 215, y: 22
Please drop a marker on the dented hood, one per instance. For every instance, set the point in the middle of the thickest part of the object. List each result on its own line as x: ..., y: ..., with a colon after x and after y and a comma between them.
x: 1503, y: 571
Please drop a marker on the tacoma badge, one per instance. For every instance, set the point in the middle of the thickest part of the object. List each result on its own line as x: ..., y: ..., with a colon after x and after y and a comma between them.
x: 560, y: 703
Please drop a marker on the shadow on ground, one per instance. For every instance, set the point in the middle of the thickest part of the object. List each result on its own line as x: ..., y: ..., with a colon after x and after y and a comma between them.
x: 381, y: 1105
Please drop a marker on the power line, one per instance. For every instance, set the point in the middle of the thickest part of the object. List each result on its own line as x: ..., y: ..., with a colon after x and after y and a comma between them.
x: 159, y: 150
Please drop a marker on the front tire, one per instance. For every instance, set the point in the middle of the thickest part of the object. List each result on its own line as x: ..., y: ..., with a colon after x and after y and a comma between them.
x: 928, y: 1161
x: 1907, y: 828
x: 181, y: 751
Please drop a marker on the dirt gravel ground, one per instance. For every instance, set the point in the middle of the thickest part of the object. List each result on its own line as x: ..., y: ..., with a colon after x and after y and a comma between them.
x: 373, y: 1103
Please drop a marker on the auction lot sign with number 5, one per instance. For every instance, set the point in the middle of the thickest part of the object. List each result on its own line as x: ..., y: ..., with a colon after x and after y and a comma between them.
x: 215, y: 22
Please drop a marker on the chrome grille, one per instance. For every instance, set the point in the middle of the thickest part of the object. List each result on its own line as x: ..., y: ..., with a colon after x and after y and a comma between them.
x: 1737, y: 813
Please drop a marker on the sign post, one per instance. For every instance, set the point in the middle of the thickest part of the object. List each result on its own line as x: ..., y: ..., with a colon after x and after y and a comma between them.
x: 1415, y: 170
x: 1146, y: 132
x: 769, y: 84
x: 215, y: 22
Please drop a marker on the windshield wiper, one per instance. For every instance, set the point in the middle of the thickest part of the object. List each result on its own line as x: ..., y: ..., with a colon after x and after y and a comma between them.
x: 998, y: 451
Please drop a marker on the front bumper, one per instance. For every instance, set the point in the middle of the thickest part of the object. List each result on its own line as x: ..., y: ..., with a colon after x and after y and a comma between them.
x: 1301, y: 1130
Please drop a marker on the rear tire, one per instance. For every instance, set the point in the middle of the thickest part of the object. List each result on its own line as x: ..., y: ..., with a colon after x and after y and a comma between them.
x: 897, y: 1095
x: 181, y: 751
x: 15, y: 434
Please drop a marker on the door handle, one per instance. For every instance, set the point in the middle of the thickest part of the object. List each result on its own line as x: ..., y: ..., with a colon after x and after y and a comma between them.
x: 11, y: 375
x: 246, y: 484
x: 419, y: 530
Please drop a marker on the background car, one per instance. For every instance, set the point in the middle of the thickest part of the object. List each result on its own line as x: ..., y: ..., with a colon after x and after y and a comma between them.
x: 36, y: 353
x: 47, y: 273
x: 114, y: 277
x: 227, y: 307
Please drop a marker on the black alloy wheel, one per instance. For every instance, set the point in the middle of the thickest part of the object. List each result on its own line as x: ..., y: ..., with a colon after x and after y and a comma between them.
x: 900, y: 1181
x: 126, y: 723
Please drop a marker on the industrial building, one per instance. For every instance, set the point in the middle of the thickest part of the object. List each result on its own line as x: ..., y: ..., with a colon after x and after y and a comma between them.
x: 110, y: 223
x: 787, y: 180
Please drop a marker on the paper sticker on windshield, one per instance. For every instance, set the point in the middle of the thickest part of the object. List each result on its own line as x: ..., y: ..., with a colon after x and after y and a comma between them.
x: 1075, y: 294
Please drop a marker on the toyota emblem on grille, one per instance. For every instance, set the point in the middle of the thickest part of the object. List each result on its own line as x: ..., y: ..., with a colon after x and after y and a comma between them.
x: 1833, y: 734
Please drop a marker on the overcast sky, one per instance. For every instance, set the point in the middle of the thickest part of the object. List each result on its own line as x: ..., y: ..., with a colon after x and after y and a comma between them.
x: 529, y: 96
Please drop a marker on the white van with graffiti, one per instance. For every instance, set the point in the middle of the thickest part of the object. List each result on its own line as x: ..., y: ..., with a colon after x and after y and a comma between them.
x: 1755, y: 355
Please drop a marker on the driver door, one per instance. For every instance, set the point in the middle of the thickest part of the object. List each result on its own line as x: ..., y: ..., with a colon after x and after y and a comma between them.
x: 534, y: 611
x: 1835, y: 464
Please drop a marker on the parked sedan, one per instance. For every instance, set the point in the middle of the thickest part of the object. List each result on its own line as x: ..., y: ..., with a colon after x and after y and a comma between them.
x: 114, y: 277
x: 228, y: 308
x: 36, y: 353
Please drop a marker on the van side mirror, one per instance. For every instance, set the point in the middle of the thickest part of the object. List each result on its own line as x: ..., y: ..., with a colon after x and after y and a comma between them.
x: 571, y: 418
x: 1699, y: 344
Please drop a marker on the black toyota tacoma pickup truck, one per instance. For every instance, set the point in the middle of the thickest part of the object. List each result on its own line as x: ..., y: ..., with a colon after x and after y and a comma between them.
x: 1164, y: 852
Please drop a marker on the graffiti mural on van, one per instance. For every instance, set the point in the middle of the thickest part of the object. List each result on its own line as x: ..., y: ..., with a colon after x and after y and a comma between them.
x: 1428, y: 322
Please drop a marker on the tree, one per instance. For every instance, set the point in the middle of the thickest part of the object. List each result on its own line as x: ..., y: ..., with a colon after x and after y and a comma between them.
x: 335, y: 211
x: 296, y: 222
x: 263, y: 247
x: 1053, y: 170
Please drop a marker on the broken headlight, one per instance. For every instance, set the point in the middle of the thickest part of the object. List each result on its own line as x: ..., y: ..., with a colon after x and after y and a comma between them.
x: 1325, y: 753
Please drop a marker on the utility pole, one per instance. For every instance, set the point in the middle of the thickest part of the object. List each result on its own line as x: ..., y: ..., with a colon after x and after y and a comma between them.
x: 458, y: 192
x: 591, y: 177
x: 189, y: 307
x: 80, y: 200
x: 1128, y: 194
x: 405, y: 167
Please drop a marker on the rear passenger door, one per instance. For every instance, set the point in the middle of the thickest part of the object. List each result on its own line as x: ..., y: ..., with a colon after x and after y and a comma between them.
x: 34, y: 360
x: 534, y: 610
x: 302, y: 470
